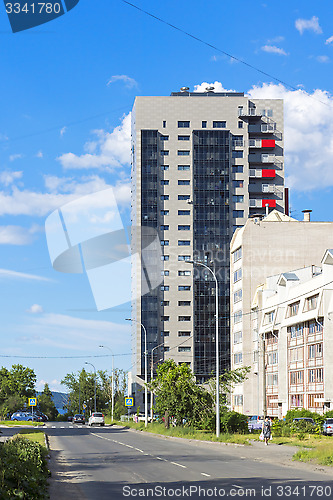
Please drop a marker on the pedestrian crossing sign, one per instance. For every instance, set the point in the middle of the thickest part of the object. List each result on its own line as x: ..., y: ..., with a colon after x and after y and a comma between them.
x: 129, y: 401
x: 32, y: 401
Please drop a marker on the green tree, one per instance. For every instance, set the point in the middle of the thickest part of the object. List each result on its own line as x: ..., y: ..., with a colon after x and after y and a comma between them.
x: 81, y: 387
x: 16, y: 386
x: 46, y: 404
x: 119, y: 391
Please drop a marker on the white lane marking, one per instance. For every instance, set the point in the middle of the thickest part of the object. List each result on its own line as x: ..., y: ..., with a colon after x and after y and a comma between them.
x: 179, y: 465
x: 138, y: 449
x: 53, y: 427
x: 62, y: 427
x: 204, y: 474
x: 159, y: 458
x: 236, y: 486
x: 129, y: 446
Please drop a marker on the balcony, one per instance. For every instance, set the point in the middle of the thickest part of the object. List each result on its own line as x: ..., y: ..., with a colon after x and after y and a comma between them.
x: 262, y: 188
x: 258, y: 173
x: 268, y: 158
x: 249, y: 113
x: 268, y: 128
x: 253, y: 203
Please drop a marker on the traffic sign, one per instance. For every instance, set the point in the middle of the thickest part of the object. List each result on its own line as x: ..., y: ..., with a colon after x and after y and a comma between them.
x: 32, y: 402
x: 84, y: 405
x: 129, y: 401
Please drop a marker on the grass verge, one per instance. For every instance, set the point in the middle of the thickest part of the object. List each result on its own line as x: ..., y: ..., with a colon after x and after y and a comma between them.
x: 34, y: 435
x: 13, y: 423
x: 322, y: 454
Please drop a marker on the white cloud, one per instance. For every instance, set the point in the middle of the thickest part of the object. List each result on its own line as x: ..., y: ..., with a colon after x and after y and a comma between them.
x: 308, y: 135
x: 7, y: 177
x: 323, y: 59
x: 274, y: 50
x: 63, y: 131
x: 218, y: 87
x: 129, y: 82
x: 39, y: 154
x: 276, y: 39
x: 35, y: 309
x: 308, y: 24
x: 15, y: 235
x: 329, y: 40
x: 110, y: 150
x: 15, y: 157
x: 7, y: 273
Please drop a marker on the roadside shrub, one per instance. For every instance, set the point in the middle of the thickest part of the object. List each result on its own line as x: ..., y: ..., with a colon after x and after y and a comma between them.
x: 291, y: 414
x: 23, y: 470
x: 280, y: 428
x: 231, y: 421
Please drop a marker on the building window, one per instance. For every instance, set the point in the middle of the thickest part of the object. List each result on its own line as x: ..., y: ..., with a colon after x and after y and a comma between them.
x: 255, y: 356
x: 237, y: 169
x: 238, y: 337
x: 184, y: 243
x: 184, y: 288
x: 183, y: 197
x: 315, y: 326
x: 219, y: 124
x: 316, y: 375
x: 183, y: 167
x: 237, y: 141
x: 296, y: 377
x: 184, y: 318
x: 184, y: 334
x: 165, y: 318
x: 272, y: 358
x: 292, y: 309
x: 164, y: 212
x: 183, y: 138
x: 164, y: 167
x: 238, y: 198
x: 237, y: 275
x: 184, y: 227
x: 184, y: 257
x: 184, y: 302
x: 238, y: 399
x: 315, y: 400
x: 165, y: 243
x: 165, y: 303
x: 184, y: 349
x: 296, y: 354
x: 165, y: 333
x: 269, y: 317
x: 184, y: 212
x: 311, y: 302
x: 238, y: 358
x: 237, y: 255
x: 238, y: 316
x: 183, y: 124
x: 164, y: 227
x: 165, y: 288
x: 164, y: 137
x: 165, y: 257
x: 182, y: 182
x: 240, y: 124
x: 164, y: 152
x: 295, y: 330
x: 316, y: 351
x: 238, y: 296
x: 164, y: 183
x: 164, y: 197
x: 165, y: 273
x: 166, y: 348
x: 237, y: 154
x: 204, y: 124
x: 183, y: 152
x: 237, y: 184
x: 238, y: 214
x: 164, y: 123
x: 184, y: 273
x: 296, y: 400
x: 272, y: 379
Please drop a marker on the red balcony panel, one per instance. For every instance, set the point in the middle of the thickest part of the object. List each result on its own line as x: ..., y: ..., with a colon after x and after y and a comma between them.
x: 270, y: 203
x: 268, y: 143
x: 267, y: 172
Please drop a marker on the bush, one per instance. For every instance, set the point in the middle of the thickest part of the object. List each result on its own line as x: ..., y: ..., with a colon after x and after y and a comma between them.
x: 231, y: 421
x: 291, y: 414
x: 280, y: 428
x: 23, y: 470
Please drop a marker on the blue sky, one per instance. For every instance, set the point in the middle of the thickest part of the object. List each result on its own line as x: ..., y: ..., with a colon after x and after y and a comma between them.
x: 67, y: 88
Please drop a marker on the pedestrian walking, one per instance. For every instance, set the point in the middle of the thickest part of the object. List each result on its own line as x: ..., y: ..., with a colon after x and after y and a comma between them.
x: 266, y: 430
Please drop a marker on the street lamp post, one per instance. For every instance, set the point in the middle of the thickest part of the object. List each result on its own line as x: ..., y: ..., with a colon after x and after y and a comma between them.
x: 146, y: 369
x: 112, y: 381
x: 151, y: 379
x: 95, y: 384
x: 196, y: 263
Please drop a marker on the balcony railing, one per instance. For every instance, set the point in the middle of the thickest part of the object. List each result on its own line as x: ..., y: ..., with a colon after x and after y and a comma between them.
x: 249, y: 112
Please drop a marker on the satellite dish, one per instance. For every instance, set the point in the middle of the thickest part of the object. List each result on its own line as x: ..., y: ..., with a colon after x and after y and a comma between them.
x: 184, y: 89
x: 210, y: 89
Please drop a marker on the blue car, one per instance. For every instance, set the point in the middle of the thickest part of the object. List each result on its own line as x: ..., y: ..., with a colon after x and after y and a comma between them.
x: 24, y: 416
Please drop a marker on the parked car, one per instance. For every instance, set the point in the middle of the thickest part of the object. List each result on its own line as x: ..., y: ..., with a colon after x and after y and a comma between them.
x: 78, y: 419
x: 96, y: 419
x: 141, y: 417
x: 255, y: 423
x: 25, y: 416
x: 328, y: 427
x: 305, y: 419
x: 70, y: 418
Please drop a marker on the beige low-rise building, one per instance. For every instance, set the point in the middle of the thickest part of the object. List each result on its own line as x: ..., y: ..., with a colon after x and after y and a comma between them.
x: 265, y: 247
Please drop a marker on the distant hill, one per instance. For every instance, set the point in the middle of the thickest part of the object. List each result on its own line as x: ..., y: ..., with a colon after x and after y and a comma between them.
x: 60, y: 400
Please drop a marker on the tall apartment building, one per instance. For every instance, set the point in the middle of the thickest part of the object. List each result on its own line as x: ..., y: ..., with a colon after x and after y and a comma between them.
x: 202, y: 163
x: 294, y: 315
x: 263, y: 248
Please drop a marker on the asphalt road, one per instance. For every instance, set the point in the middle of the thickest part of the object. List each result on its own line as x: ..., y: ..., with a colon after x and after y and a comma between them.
x: 114, y: 463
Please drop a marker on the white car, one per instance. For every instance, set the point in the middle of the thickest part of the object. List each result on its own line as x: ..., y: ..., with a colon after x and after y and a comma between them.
x: 96, y: 419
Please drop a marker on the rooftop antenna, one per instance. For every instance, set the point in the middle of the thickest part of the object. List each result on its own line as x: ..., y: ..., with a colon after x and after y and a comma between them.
x: 210, y: 89
x: 184, y: 89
